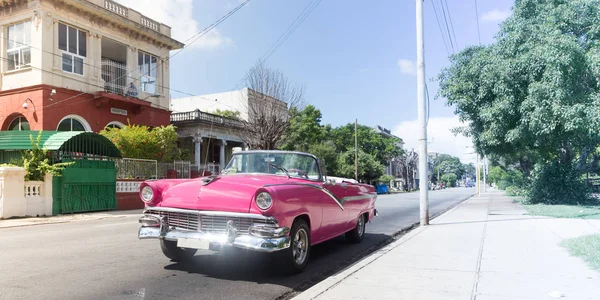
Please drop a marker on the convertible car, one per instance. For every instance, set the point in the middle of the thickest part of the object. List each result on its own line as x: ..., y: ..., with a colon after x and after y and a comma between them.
x: 268, y: 201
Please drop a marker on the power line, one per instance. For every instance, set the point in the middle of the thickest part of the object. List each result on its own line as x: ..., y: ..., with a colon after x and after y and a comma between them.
x: 440, y: 27
x: 447, y: 27
x: 308, y: 9
x: 477, y: 19
x: 197, y: 37
x: 451, y: 24
x: 204, y: 31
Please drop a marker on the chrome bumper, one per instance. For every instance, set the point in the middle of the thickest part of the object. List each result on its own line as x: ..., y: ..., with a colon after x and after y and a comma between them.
x: 261, y: 238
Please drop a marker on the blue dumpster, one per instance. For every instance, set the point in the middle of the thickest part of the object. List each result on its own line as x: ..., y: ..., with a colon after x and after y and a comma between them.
x: 382, y: 189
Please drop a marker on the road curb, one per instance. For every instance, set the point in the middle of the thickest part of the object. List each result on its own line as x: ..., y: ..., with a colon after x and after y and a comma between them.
x: 36, y: 221
x: 332, y: 281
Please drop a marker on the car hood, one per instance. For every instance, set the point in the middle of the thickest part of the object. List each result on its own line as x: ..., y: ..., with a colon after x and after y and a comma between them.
x: 230, y: 193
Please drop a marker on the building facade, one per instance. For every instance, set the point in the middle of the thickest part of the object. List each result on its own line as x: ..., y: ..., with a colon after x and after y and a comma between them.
x: 210, y: 136
x: 82, y: 65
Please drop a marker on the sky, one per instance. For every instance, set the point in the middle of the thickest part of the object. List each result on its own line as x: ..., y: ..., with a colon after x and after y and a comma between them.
x: 356, y: 59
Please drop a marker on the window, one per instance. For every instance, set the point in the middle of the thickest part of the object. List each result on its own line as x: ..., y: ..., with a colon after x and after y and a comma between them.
x: 73, y: 43
x: 71, y: 123
x: 19, y: 46
x: 115, y: 124
x: 147, y: 65
x: 19, y: 124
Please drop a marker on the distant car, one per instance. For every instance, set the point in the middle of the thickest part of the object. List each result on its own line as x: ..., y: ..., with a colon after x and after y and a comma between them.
x: 265, y: 201
x: 469, y: 184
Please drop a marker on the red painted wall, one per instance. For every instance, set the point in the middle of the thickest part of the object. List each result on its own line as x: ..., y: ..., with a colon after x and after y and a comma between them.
x: 127, y: 201
x: 50, y: 110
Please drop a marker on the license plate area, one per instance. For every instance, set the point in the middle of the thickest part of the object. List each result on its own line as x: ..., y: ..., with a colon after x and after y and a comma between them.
x: 193, y: 243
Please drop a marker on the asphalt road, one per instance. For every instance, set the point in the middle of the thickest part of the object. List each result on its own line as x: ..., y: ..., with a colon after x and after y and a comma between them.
x: 103, y: 259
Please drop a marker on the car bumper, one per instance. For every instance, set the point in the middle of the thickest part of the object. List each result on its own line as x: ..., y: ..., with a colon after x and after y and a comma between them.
x: 262, y: 238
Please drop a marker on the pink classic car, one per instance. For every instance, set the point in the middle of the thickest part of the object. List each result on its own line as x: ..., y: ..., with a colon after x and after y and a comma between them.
x: 266, y: 201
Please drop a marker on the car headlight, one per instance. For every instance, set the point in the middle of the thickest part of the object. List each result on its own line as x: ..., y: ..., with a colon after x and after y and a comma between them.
x: 264, y: 200
x: 147, y: 194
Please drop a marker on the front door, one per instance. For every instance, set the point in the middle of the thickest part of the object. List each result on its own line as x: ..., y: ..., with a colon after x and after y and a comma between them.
x: 334, y: 214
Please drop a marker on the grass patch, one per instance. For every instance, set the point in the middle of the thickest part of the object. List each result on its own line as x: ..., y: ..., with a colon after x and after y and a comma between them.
x: 564, y: 211
x: 586, y: 247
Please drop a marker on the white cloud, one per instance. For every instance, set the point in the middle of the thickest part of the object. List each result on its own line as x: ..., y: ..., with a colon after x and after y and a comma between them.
x: 407, y: 66
x: 495, y: 15
x: 440, y: 138
x: 178, y: 15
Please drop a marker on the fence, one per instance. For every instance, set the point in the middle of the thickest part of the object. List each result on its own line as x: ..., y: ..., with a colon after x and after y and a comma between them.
x: 132, y: 168
x: 142, y: 169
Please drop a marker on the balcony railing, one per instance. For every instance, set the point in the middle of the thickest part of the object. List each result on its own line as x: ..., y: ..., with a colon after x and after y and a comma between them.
x: 198, y: 116
x: 114, y: 76
x: 116, y: 8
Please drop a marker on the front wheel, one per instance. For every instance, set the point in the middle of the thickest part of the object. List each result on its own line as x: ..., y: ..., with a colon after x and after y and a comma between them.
x: 170, y: 250
x: 357, y: 234
x: 295, y: 258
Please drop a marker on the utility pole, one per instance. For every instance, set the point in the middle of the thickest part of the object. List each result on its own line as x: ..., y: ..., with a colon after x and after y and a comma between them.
x: 356, y: 149
x: 484, y: 173
x: 478, y: 177
x: 423, y: 195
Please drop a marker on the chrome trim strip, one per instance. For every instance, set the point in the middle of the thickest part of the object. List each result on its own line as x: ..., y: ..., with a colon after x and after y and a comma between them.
x: 209, y: 213
x: 314, y: 186
x: 358, y: 197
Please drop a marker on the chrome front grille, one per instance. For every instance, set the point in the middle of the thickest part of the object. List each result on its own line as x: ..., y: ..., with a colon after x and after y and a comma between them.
x: 206, y: 223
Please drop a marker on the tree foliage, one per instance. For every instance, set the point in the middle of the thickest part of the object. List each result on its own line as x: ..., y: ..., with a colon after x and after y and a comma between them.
x: 448, y: 164
x: 449, y: 179
x: 369, y: 141
x: 304, y: 130
x: 137, y: 141
x: 270, y: 95
x: 369, y: 168
x: 37, y: 163
x: 533, y: 95
x: 226, y: 113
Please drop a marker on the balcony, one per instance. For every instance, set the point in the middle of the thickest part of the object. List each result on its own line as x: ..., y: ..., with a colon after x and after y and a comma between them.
x: 133, y: 15
x: 114, y: 76
x: 198, y: 116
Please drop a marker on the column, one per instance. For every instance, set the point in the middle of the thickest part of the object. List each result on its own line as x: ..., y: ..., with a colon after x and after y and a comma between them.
x: 244, y: 147
x: 222, y: 155
x: 197, y: 150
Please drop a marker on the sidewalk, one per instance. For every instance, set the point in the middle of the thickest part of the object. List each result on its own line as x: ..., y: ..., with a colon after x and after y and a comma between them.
x: 484, y: 249
x: 29, y: 221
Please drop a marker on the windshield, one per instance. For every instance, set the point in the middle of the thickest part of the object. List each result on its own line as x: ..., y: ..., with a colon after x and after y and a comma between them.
x: 286, y: 164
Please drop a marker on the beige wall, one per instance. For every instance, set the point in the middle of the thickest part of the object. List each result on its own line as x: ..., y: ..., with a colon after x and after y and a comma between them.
x: 47, y: 56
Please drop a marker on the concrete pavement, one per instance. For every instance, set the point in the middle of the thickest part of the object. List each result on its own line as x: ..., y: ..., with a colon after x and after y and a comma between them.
x: 486, y: 248
x: 29, y: 221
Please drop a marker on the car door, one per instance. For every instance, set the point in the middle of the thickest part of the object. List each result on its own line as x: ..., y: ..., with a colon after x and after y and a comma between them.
x: 334, y: 214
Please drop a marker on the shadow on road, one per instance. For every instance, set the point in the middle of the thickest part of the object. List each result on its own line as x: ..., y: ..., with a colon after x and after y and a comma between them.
x: 325, y: 260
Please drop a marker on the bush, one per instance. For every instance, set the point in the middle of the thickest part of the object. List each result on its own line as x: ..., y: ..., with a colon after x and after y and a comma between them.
x: 135, y: 141
x: 556, y: 183
x: 514, y: 191
x: 37, y: 162
x: 449, y: 179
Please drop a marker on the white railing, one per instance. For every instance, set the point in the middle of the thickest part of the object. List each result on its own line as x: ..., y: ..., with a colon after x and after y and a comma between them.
x: 128, y: 186
x: 150, y: 23
x: 116, y: 8
x: 114, y: 76
x: 33, y: 189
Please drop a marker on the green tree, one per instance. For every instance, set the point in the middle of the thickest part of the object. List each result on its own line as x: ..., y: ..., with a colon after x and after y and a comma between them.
x: 449, y: 179
x: 369, y: 168
x: 304, y: 129
x: 136, y: 141
x: 369, y: 141
x: 532, y: 96
x: 226, y: 113
x: 328, y: 154
x: 448, y: 164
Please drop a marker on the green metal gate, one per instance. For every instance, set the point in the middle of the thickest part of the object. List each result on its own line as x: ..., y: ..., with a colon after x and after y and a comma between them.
x: 87, y: 185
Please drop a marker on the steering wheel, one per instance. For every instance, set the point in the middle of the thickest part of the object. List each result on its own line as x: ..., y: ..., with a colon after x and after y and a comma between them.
x: 302, y: 173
